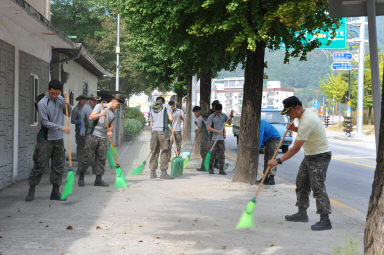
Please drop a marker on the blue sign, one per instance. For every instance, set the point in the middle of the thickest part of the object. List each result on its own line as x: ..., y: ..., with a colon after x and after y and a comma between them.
x: 342, y: 56
x: 341, y: 66
x: 315, y: 103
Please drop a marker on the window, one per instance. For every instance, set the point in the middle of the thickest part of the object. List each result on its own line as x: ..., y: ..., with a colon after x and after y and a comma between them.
x: 85, y: 88
x: 34, y: 94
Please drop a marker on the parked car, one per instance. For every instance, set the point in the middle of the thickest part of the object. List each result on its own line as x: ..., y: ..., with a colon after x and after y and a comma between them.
x: 274, y: 117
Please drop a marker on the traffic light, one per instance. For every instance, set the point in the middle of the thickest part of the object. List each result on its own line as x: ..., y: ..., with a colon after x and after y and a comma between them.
x: 326, y: 120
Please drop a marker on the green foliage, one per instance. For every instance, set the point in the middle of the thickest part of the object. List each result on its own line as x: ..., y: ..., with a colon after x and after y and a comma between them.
x: 334, y: 87
x: 134, y: 113
x: 132, y: 128
x: 349, y: 248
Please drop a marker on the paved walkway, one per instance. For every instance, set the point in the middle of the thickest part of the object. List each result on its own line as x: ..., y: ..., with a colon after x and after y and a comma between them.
x: 195, y: 214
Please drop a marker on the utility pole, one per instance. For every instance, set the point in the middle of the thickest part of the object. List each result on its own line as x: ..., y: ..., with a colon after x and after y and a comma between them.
x: 118, y: 121
x: 360, y: 84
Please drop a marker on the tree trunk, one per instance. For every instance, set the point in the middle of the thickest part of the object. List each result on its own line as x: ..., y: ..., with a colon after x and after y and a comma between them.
x: 370, y: 116
x: 205, y: 89
x: 374, y: 234
x: 248, y: 147
x: 188, y: 111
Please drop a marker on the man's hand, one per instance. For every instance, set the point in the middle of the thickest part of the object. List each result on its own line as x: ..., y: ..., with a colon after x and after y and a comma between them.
x: 110, y: 134
x: 291, y: 126
x: 66, y: 130
x: 272, y: 163
x: 231, y: 115
x: 66, y: 100
x: 219, y: 131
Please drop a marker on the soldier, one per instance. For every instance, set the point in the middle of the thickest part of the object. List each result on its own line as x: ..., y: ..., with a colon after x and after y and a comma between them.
x: 75, y: 119
x: 212, y: 110
x: 50, y: 144
x: 270, y: 139
x: 96, y: 139
x: 313, y: 169
x: 204, y: 138
x: 216, y: 124
x: 160, y: 117
x: 178, y: 117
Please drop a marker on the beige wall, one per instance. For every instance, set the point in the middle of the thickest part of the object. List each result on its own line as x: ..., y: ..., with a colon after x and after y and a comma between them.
x: 42, y: 6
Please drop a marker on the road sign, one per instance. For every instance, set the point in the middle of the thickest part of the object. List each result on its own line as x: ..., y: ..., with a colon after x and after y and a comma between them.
x: 342, y: 56
x: 339, y: 42
x: 316, y: 103
x: 341, y: 66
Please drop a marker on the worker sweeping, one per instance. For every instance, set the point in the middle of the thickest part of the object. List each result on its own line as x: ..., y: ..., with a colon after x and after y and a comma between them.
x: 76, y: 119
x: 313, y: 169
x: 96, y: 140
x: 160, y: 117
x: 216, y: 125
x: 178, y: 131
x: 50, y: 143
x: 202, y: 134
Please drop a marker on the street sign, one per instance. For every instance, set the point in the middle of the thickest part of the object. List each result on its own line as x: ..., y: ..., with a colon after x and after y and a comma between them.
x: 341, y: 66
x: 316, y: 103
x: 342, y: 56
x: 339, y: 42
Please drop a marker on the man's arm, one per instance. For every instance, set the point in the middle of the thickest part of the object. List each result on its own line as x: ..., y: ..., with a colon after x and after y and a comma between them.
x: 214, y: 130
x: 95, y: 115
x: 292, y: 151
x: 170, y: 117
x: 43, y: 112
x: 110, y: 132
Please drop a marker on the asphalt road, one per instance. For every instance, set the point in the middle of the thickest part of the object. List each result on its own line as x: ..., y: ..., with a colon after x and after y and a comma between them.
x: 350, y: 173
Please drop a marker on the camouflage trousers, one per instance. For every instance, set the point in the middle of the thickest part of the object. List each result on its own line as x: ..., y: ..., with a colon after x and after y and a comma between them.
x: 217, y: 154
x: 311, y: 175
x: 94, y: 148
x: 270, y: 148
x: 44, y: 151
x: 80, y: 142
x: 160, y: 142
x: 204, y: 148
x: 178, y: 139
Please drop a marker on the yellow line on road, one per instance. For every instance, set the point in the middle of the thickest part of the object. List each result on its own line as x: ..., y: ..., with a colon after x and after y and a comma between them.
x: 294, y: 186
x: 364, y: 159
x: 353, y: 162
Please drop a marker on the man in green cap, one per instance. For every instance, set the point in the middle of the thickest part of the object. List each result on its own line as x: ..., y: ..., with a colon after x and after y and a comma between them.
x: 76, y: 119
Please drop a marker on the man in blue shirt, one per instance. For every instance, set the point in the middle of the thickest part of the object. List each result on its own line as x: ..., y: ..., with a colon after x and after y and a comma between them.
x: 270, y: 139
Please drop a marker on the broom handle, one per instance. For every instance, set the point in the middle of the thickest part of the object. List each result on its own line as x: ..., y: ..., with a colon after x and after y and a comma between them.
x: 217, y: 138
x: 267, y: 171
x: 69, y: 138
x: 193, y: 145
x: 110, y: 138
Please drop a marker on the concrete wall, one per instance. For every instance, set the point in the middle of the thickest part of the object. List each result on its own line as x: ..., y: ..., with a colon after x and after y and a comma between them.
x: 42, y: 6
x: 78, y: 77
x: 7, y: 74
x: 29, y: 65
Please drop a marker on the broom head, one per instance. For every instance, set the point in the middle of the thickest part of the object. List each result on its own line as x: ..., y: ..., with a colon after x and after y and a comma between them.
x: 68, y: 188
x: 206, y: 161
x: 246, y: 219
x: 111, y: 161
x: 185, y: 162
x: 120, y: 179
x: 138, y: 170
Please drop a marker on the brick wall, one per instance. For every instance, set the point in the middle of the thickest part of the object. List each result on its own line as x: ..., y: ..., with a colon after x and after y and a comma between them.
x: 7, y: 74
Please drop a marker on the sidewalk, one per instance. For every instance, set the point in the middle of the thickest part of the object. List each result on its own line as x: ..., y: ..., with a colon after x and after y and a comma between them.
x: 195, y: 214
x: 341, y: 136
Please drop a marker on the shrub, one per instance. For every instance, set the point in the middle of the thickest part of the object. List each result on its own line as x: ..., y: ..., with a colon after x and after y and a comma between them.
x: 132, y: 128
x: 134, y: 113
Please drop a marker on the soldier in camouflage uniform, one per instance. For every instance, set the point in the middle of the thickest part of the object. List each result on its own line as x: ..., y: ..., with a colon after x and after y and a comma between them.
x: 178, y: 116
x: 216, y: 124
x: 96, y: 139
x: 76, y: 119
x: 159, y: 119
x: 205, y: 137
x: 313, y: 169
x: 50, y: 144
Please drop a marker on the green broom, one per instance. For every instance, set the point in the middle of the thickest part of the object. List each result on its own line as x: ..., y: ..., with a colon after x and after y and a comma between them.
x: 208, y: 156
x: 246, y: 219
x: 120, y: 179
x: 189, y: 156
x: 68, y: 188
x: 138, y: 170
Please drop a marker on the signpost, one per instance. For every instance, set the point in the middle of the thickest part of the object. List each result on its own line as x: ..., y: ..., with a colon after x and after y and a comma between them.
x: 341, y: 66
x: 342, y: 56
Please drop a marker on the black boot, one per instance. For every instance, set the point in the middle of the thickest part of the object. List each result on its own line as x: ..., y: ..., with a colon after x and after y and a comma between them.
x: 165, y: 176
x: 81, y: 180
x: 153, y: 174
x: 221, y: 170
x: 31, y: 193
x: 265, y: 181
x: 100, y: 182
x: 55, y: 194
x: 323, y: 224
x: 211, y: 171
x: 301, y: 216
x: 270, y: 181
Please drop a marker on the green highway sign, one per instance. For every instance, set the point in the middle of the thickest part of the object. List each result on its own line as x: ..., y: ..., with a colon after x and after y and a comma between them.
x: 337, y: 43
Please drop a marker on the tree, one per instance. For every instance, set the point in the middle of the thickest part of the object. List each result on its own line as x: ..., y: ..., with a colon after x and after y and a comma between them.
x: 255, y: 26
x: 334, y: 87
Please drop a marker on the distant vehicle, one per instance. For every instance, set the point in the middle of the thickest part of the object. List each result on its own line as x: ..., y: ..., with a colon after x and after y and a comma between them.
x: 274, y: 117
